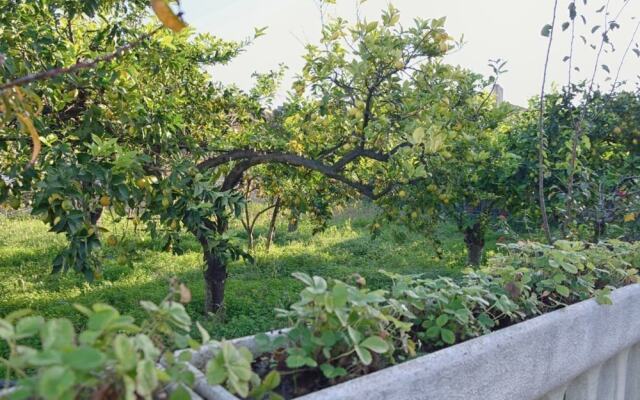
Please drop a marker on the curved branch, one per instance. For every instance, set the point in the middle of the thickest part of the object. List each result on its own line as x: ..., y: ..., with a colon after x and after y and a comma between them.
x: 251, y: 158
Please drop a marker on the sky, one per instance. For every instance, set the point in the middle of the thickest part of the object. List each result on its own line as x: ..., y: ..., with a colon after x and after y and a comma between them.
x: 506, y: 29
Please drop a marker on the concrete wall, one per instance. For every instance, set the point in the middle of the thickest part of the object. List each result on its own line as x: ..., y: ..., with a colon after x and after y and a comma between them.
x: 583, y: 352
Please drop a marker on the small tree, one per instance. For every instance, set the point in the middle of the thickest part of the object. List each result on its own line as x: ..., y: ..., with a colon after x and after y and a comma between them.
x: 467, y: 168
x: 355, y: 109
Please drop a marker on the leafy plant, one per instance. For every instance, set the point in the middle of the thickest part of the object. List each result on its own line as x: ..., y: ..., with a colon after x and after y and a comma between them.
x: 342, y: 329
x: 446, y: 311
x: 111, y: 358
x: 546, y: 277
x: 231, y: 367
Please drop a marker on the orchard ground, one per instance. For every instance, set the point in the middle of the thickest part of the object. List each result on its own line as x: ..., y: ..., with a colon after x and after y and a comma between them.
x: 137, y: 269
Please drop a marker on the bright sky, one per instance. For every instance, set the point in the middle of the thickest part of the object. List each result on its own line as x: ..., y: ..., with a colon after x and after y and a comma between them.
x: 507, y: 29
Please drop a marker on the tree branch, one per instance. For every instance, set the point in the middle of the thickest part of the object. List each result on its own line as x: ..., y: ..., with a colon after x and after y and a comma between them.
x: 251, y: 158
x: 541, y: 134
x: 52, y: 73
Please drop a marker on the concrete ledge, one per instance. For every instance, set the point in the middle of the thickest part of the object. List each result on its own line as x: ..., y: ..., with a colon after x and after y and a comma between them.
x: 200, y: 358
x: 535, y: 359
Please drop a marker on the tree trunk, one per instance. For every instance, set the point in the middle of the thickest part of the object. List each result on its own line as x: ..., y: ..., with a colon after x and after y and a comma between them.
x: 215, y: 274
x: 272, y: 226
x: 250, y: 238
x: 214, y: 281
x: 293, y: 221
x: 474, y: 239
x: 248, y: 226
x: 599, y: 229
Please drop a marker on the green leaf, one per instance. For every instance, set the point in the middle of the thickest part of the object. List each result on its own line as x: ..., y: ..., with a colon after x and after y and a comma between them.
x: 206, y: 338
x: 319, y: 285
x: 329, y: 338
x: 179, y: 317
x: 216, y: 372
x: 272, y: 380
x: 371, y: 26
x: 463, y: 315
x: 100, y: 320
x: 364, y: 355
x: 486, y: 320
x: 417, y: 136
x: 29, y: 326
x: 332, y: 372
x: 149, y: 306
x: 125, y: 352
x: 6, y: 330
x: 143, y: 343
x: 180, y: 393
x: 442, y: 320
x: 57, y: 333
x: 55, y: 382
x: 603, y: 297
x: 339, y: 294
x: 16, y: 315
x: 129, y: 388
x: 375, y: 344
x: 84, y: 358
x: 447, y: 336
x: 146, y: 378
x: 433, y: 332
x: 570, y: 268
x: 563, y: 290
x: 45, y: 358
x: 263, y: 342
x: 304, y: 278
x: 546, y: 30
x: 355, y: 335
x: 84, y: 310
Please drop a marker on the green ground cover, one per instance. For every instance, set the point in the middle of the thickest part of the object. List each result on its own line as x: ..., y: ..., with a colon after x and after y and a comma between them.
x: 137, y: 269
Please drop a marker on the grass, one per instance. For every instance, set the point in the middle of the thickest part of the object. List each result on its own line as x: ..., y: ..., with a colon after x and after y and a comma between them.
x: 137, y: 270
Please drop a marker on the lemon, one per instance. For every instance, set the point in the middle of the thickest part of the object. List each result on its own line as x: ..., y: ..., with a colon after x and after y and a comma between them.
x: 142, y: 183
x: 67, y: 205
x: 105, y: 201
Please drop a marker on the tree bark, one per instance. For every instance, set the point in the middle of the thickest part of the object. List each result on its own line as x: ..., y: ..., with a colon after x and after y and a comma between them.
x: 248, y: 226
x: 215, y: 276
x: 474, y: 240
x: 215, y: 273
x: 272, y: 226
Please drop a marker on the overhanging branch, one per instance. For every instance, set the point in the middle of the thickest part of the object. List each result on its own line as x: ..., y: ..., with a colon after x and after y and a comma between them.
x: 52, y: 73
